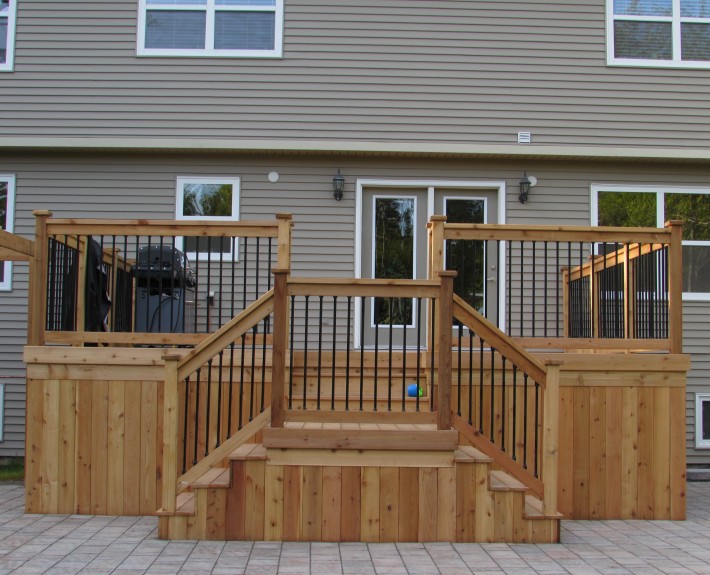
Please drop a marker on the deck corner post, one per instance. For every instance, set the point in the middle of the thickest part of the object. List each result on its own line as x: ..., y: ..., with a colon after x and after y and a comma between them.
x: 436, y: 247
x: 285, y: 225
x: 37, y: 304
x: 550, y: 446
x: 170, y: 432
x: 280, y: 343
x: 675, y: 286
x: 443, y: 339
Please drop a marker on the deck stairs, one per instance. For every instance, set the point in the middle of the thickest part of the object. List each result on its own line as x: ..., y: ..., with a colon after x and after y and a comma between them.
x: 358, y: 482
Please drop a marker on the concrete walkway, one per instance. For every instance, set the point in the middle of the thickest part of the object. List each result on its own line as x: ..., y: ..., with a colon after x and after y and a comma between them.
x: 128, y: 545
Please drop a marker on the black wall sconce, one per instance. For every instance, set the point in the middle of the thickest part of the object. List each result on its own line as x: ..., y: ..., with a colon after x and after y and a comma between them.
x: 338, y: 186
x: 526, y: 183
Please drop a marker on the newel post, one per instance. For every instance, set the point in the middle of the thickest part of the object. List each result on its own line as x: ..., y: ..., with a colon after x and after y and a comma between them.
x: 436, y: 247
x: 550, y: 437
x: 675, y: 286
x: 280, y: 343
x: 170, y: 431
x: 283, y: 258
x: 37, y: 308
x: 443, y: 340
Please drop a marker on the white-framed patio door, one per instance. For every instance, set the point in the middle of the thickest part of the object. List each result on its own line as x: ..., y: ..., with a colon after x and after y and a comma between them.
x: 393, y: 246
x: 391, y: 243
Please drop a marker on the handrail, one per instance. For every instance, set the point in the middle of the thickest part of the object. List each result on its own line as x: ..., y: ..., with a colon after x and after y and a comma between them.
x: 15, y: 248
x: 495, y: 337
x: 87, y: 227
x: 228, y: 333
x: 364, y: 287
x: 528, y: 232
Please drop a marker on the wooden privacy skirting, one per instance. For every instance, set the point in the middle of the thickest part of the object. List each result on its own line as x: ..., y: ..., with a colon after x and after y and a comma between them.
x: 94, y: 432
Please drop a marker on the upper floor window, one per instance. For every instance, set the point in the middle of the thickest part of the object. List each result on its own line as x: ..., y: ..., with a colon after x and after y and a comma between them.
x: 7, y: 206
x: 228, y: 28
x: 8, y: 10
x: 668, y: 33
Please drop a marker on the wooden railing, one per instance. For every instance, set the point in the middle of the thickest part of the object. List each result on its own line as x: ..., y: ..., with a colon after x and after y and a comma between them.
x: 148, y: 282
x: 318, y: 317
x: 524, y: 282
x: 506, y: 401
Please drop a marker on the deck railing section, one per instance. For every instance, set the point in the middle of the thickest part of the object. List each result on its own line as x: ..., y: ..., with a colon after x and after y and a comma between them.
x: 150, y: 282
x: 500, y: 391
x: 536, y: 283
x: 383, y: 367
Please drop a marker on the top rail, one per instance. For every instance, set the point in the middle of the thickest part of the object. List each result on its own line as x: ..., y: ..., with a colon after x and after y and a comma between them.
x: 556, y: 233
x: 15, y: 248
x: 87, y: 227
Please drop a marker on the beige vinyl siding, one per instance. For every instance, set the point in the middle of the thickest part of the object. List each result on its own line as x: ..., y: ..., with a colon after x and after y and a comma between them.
x: 426, y: 71
x: 143, y: 186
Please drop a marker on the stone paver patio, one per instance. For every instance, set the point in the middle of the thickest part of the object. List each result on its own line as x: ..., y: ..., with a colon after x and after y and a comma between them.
x: 93, y: 545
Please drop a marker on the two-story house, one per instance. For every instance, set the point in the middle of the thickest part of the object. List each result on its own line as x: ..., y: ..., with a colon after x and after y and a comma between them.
x: 126, y: 108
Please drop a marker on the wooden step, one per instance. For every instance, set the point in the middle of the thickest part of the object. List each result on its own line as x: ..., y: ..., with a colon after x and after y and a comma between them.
x: 365, y: 436
x: 216, y: 477
x: 469, y: 454
x: 501, y: 481
x: 184, y: 505
x: 248, y: 452
x: 534, y: 509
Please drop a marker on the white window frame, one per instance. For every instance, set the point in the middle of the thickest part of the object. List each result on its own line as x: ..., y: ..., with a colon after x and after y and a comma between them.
x: 6, y: 284
x: 675, y: 20
x: 235, y: 182
x: 660, y: 192
x: 700, y: 443
x: 209, y: 50
x: 8, y: 64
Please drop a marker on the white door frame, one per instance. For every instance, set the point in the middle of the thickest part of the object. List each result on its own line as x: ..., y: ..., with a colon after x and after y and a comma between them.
x: 431, y: 186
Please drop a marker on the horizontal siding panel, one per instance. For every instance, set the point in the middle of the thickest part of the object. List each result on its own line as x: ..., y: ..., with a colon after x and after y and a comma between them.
x: 429, y: 71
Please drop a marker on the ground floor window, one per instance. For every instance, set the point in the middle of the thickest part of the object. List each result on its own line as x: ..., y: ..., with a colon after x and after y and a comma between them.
x: 7, y: 217
x: 208, y: 199
x: 702, y: 420
x: 639, y: 206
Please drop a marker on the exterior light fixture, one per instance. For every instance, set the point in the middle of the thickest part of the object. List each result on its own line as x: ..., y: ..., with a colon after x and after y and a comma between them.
x: 338, y: 186
x: 525, y: 184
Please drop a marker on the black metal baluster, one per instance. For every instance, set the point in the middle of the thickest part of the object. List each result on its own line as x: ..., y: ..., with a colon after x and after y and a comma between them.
x: 534, y: 286
x: 320, y: 349
x: 537, y: 427
x: 433, y: 352
x: 375, y: 303
x: 493, y: 395
x: 185, y: 424
x: 219, y: 399
x: 515, y: 412
x: 208, y: 407
x: 558, y: 275
x: 503, y: 405
x: 480, y: 385
x: 419, y: 348
x: 404, y: 365
x: 197, y: 414
x: 305, y: 351
x: 525, y: 420
x: 332, y: 381
x: 292, y: 342
x: 347, y: 356
x: 458, y: 375
x: 362, y: 352
x: 389, y: 359
x: 470, y: 377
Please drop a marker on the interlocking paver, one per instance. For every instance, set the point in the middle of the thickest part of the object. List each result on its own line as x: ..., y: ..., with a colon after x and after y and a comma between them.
x: 103, y: 545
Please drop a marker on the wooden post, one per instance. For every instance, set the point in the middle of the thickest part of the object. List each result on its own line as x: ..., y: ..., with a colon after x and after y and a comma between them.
x: 279, y: 346
x: 550, y: 437
x: 37, y: 299
x: 436, y: 254
x: 675, y: 286
x: 170, y: 432
x: 283, y: 261
x: 443, y: 340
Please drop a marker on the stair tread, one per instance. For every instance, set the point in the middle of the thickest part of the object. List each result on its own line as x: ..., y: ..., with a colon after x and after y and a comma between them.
x: 534, y: 509
x: 469, y: 453
x: 185, y: 504
x: 501, y: 481
x: 215, y: 477
x: 248, y: 451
